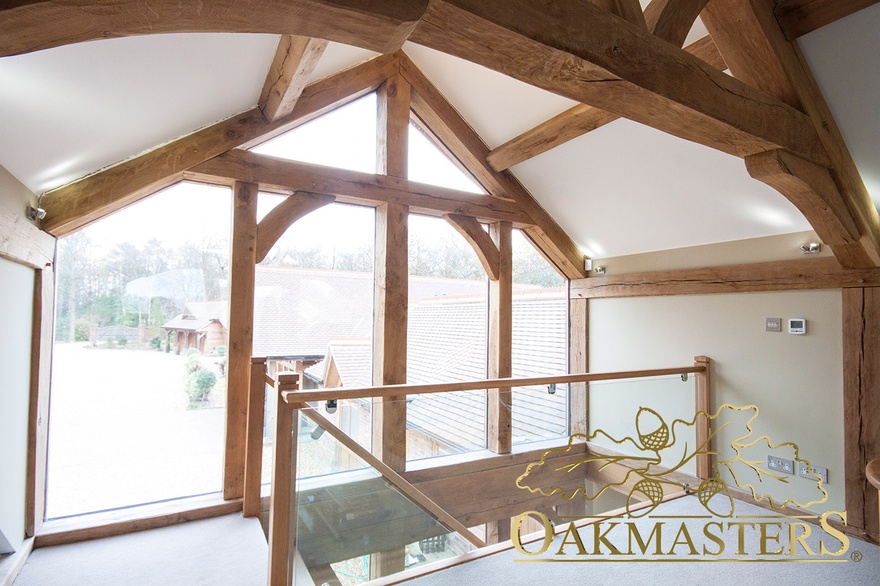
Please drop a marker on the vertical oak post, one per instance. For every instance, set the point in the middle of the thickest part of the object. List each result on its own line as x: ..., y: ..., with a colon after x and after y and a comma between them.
x: 241, y: 326
x: 253, y: 463
x: 501, y: 340
x: 578, y: 362
x: 701, y: 402
x: 861, y: 403
x: 282, y: 503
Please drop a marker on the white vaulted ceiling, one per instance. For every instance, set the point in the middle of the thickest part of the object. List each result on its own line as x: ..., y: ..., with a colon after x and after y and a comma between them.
x: 621, y: 189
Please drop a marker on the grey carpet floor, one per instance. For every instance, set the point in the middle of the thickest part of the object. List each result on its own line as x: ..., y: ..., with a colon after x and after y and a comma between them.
x: 501, y: 569
x: 226, y: 550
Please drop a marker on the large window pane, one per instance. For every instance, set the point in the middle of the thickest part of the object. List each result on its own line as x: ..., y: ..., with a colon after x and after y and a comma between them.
x: 138, y: 381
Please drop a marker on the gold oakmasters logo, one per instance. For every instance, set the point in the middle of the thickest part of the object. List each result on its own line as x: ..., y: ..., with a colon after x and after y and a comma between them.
x: 639, y: 534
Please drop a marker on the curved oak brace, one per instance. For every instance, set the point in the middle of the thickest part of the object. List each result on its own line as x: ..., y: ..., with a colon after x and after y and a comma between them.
x: 270, y: 228
x: 812, y: 189
x: 480, y: 240
x: 379, y: 26
x: 672, y: 20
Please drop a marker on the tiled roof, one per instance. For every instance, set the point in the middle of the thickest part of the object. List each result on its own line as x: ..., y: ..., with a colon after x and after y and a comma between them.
x: 446, y: 342
x: 298, y: 311
x: 198, y: 314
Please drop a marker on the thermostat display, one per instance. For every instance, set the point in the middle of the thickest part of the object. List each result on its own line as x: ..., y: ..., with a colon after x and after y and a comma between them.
x: 797, y: 326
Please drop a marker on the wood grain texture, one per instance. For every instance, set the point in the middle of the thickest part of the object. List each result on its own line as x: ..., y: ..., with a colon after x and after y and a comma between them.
x: 24, y: 243
x: 578, y: 362
x: 813, y: 191
x: 576, y: 121
x: 392, y: 125
x: 566, y: 49
x: 802, y: 81
x: 499, y: 421
x: 285, y: 177
x: 854, y: 364
x: 746, y: 50
x: 343, y: 393
x: 483, y: 245
x: 390, y: 315
x: 462, y: 143
x: 241, y: 334
x: 294, y: 61
x: 282, y: 501
x: 379, y: 26
x: 77, y: 204
x: 672, y: 20
x: 285, y: 215
x: 703, y: 402
x: 819, y: 273
x: 253, y: 463
x: 111, y: 529
x: 799, y: 17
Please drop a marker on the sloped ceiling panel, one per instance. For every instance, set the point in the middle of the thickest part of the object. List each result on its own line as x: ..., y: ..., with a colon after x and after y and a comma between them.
x: 70, y: 111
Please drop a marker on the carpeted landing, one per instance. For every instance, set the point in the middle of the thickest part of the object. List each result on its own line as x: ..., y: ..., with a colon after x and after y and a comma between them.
x: 225, y: 550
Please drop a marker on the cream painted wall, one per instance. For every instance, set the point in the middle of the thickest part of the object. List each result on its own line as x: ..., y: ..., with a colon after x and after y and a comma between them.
x: 796, y: 380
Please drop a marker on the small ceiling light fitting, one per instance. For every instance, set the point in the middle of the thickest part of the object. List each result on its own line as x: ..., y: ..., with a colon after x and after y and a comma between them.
x: 33, y: 214
x: 811, y: 248
x: 331, y: 406
x: 600, y: 270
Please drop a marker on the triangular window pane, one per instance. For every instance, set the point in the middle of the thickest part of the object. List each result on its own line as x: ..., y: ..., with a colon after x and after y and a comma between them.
x: 343, y: 138
x: 428, y: 164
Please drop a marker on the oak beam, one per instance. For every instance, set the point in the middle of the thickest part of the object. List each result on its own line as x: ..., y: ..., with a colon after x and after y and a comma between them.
x: 284, y: 215
x: 799, y: 17
x: 758, y: 19
x: 77, y: 204
x: 282, y: 176
x: 33, y: 25
x: 795, y: 275
x: 392, y: 122
x: 812, y: 190
x: 390, y: 316
x: 295, y: 59
x: 241, y: 335
x: 586, y: 54
x: 861, y: 404
x: 575, y: 121
x: 746, y: 49
x: 499, y: 420
x: 578, y: 362
x: 463, y: 144
x: 483, y: 245
x: 672, y: 20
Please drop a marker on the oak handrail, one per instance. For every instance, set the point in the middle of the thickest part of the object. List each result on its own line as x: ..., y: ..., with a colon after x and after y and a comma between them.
x: 340, y: 393
x: 872, y: 472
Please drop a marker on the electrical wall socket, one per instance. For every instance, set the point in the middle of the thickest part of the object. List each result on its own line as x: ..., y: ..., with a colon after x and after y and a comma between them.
x: 780, y: 464
x: 804, y: 472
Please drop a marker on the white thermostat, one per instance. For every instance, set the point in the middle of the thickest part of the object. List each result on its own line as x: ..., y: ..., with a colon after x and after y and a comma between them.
x: 797, y: 325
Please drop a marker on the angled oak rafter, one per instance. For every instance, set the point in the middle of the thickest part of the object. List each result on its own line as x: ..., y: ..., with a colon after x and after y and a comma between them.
x: 295, y: 59
x: 672, y: 20
x: 379, y: 26
x: 799, y: 17
x: 576, y: 121
x: 480, y: 240
x: 77, y: 204
x: 284, y: 215
x: 463, y: 143
x: 756, y: 21
x: 588, y: 55
x: 285, y: 177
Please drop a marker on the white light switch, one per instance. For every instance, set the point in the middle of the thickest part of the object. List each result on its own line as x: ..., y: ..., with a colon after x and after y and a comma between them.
x: 772, y: 324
